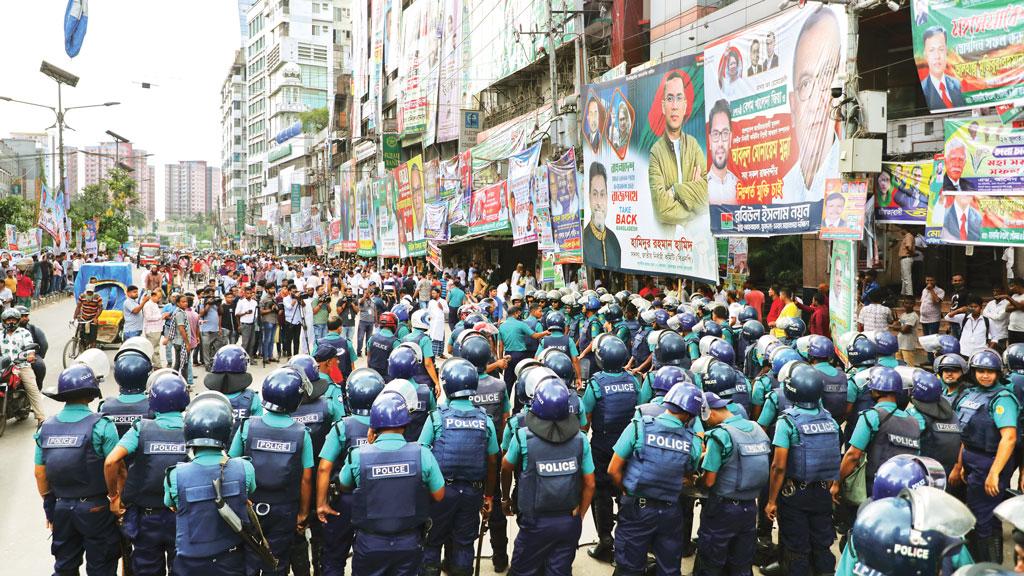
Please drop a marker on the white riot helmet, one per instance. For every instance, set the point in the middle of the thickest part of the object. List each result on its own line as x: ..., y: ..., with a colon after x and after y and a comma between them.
x: 96, y: 360
x: 421, y: 320
x: 137, y: 343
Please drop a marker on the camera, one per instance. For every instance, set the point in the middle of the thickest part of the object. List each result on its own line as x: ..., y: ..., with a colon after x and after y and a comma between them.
x: 837, y: 85
x: 212, y: 301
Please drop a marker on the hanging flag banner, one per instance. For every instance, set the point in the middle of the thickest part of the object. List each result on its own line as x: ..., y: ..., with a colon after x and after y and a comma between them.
x: 91, y: 242
x: 386, y: 204
x: 982, y: 197
x: 436, y: 227
x: 736, y: 267
x: 417, y: 245
x: 842, y: 300
x: 645, y: 205
x: 542, y: 209
x: 334, y: 232
x: 52, y: 215
x: 349, y: 212
x: 902, y: 192
x: 521, y: 193
x: 30, y: 241
x: 565, y: 209
x: 771, y: 131
x: 406, y: 225
x: 487, y: 209
x: 968, y: 53
x: 367, y: 246
x: 76, y: 21
x: 11, y: 232
x: 933, y: 223
x: 843, y: 216
x: 451, y: 90
x: 458, y: 206
x: 412, y: 102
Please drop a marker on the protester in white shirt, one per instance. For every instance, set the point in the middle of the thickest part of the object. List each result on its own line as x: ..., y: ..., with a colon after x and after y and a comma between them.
x: 1015, y: 305
x: 974, y: 332
x: 438, y: 309
x: 931, y: 306
x: 998, y: 317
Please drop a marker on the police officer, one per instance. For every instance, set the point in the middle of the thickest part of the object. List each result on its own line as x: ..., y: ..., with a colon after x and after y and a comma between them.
x: 131, y: 371
x: 746, y: 347
x: 794, y: 328
x: 334, y: 508
x: 229, y: 375
x: 819, y: 352
x: 611, y: 396
x: 535, y: 317
x: 393, y: 482
x: 152, y: 445
x: 951, y: 368
x: 722, y: 379
x: 405, y: 363
x: 640, y: 348
x: 616, y: 325
x: 465, y: 445
x: 554, y: 323
x: 763, y: 379
x: 513, y: 335
x: 346, y: 351
x: 382, y: 343
x: 886, y: 346
x: 426, y: 370
x: 402, y: 312
x: 940, y: 438
x: 70, y: 448
x: 556, y: 483
x: 775, y: 400
x: 668, y: 349
x: 860, y: 355
x: 281, y: 451
x: 662, y: 380
x: 717, y: 348
x: 988, y: 414
x: 325, y: 363
x: 805, y: 463
x: 205, y: 543
x: 589, y: 329
x: 735, y: 465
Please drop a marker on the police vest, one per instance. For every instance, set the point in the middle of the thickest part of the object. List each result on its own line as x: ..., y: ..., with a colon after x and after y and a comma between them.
x: 640, y: 349
x: 816, y: 455
x: 572, y: 327
x: 661, y: 458
x: 740, y: 393
x: 622, y: 332
x: 895, y: 435
x: 862, y: 403
x: 241, y: 408
x: 549, y: 483
x: 745, y: 472
x: 585, y: 338
x: 557, y: 341
x: 777, y: 398
x: 833, y: 392
x: 420, y: 413
x: 159, y: 448
x: 276, y: 455
x: 651, y: 409
x: 615, y: 395
x: 420, y: 376
x: 315, y: 415
x: 460, y: 446
x: 201, y: 533
x: 345, y: 360
x: 490, y: 396
x: 380, y: 349
x: 391, y: 497
x: 750, y: 365
x: 355, y: 433
x: 941, y: 436
x: 73, y: 468
x: 634, y: 328
x: 978, y: 429
x: 532, y: 343
x: 124, y: 414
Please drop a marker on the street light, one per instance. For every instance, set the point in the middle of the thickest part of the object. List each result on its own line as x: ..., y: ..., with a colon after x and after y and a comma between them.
x: 118, y: 140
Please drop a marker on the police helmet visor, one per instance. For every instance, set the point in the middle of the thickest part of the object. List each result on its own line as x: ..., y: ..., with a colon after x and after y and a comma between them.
x: 934, y: 510
x: 1012, y: 512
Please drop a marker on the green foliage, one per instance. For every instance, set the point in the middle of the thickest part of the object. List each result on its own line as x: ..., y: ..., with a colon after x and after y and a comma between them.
x: 777, y: 260
x: 314, y: 121
x: 113, y: 203
x: 15, y: 210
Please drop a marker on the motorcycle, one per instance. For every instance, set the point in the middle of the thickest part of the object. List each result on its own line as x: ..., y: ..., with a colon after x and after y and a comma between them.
x: 14, y: 401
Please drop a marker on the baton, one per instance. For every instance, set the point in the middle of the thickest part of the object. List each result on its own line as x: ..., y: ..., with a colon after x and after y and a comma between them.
x: 480, y: 545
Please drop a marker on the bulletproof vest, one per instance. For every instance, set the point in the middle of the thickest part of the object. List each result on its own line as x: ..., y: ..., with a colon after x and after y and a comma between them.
x: 241, y: 408
x: 532, y: 343
x: 650, y: 409
x: 460, y: 446
x: 558, y: 341
x: 420, y: 414
x: 316, y: 417
x: 895, y: 435
x: 585, y: 338
x: 616, y: 401
x: 660, y: 460
x: 355, y: 432
x: 634, y: 328
x: 391, y: 497
x: 862, y: 403
x: 641, y: 350
x: 201, y: 533
x: 159, y: 449
x: 73, y: 468
x: 750, y: 365
x: 550, y: 482
x: 777, y: 396
x: 739, y: 394
x: 740, y: 346
x: 573, y: 327
x: 745, y: 472
x: 345, y: 360
x: 833, y: 393
x: 1016, y: 384
x: 816, y: 455
x: 489, y: 395
x: 380, y: 349
x: 276, y: 455
x: 977, y: 428
x: 574, y: 402
x: 124, y: 414
x: 420, y: 376
x: 941, y: 436
x: 622, y: 332
x: 692, y: 343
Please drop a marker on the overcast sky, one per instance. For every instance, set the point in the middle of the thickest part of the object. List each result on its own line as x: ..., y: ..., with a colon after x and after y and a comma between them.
x: 184, y: 47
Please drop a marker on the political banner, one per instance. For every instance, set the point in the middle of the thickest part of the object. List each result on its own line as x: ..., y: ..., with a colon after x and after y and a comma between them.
x: 902, y: 192
x: 92, y: 228
x: 417, y: 245
x: 412, y: 102
x: 405, y: 218
x: 386, y: 202
x: 842, y: 297
x: 968, y: 53
x: 451, y: 94
x: 367, y: 247
x: 843, y: 216
x: 349, y: 213
x: 30, y: 241
x: 737, y: 269
x: 520, y: 195
x: 982, y: 197
x: 563, y: 189
x: 430, y: 67
x: 771, y: 132
x: 542, y: 209
x: 645, y: 205
x: 488, y: 211
x: 334, y: 232
x: 434, y: 256
x: 933, y: 222
x: 52, y: 215
x: 11, y: 233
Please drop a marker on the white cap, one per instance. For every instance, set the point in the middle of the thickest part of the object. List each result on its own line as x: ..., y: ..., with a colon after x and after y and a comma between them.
x: 90, y: 287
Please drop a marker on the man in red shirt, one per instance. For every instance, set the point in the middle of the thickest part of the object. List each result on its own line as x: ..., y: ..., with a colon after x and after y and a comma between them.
x: 819, y: 315
x: 24, y: 289
x: 777, y: 304
x: 650, y: 291
x: 755, y: 298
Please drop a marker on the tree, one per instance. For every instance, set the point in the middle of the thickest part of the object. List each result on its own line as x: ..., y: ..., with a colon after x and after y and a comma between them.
x: 314, y: 120
x: 15, y: 210
x: 111, y: 203
x: 777, y: 260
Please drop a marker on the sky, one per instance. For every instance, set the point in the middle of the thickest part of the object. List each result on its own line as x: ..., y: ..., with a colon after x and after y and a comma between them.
x: 185, y: 48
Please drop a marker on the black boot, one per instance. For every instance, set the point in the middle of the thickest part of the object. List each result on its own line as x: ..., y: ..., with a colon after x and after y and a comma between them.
x: 993, y: 549
x: 603, y: 552
x: 500, y: 562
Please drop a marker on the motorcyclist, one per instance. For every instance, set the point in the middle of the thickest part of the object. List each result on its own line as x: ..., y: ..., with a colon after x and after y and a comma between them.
x: 13, y: 342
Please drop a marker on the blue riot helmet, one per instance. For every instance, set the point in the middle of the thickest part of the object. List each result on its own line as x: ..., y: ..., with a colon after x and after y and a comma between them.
x: 208, y: 421
x: 763, y: 348
x: 611, y: 353
x: 389, y: 410
x: 592, y: 303
x: 669, y: 349
x: 820, y: 348
x: 283, y: 389
x: 719, y: 378
x: 403, y: 360
x: 986, y: 359
x: 661, y: 318
x: 907, y: 471
x: 401, y: 311
x: 803, y: 384
x: 687, y: 320
x: 950, y: 362
x: 985, y: 568
x: 554, y: 321
x: 1011, y: 511
x: 721, y: 350
x: 948, y: 344
x: 746, y: 314
x: 459, y: 378
x: 885, y: 343
x: 560, y: 363
x: 361, y: 388
x: 910, y: 533
x: 1013, y: 357
x: 861, y: 351
x: 781, y: 356
x: 685, y: 397
x: 229, y: 371
x: 885, y: 380
x: 131, y: 371
x: 710, y: 328
x: 473, y: 320
x: 167, y: 391
x: 305, y: 364
x: 76, y: 382
x: 752, y: 330
x: 529, y: 379
x: 926, y: 386
x: 613, y: 313
x: 477, y: 350
x: 795, y: 328
x: 668, y: 376
x: 550, y: 400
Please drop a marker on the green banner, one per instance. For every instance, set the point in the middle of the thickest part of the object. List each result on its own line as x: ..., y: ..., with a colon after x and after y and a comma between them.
x: 392, y: 151
x: 296, y: 198
x: 842, y: 301
x: 239, y: 216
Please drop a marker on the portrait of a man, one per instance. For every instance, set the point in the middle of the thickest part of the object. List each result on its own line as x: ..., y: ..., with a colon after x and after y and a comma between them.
x: 600, y: 245
x: 962, y: 220
x: 940, y: 90
x: 771, y: 58
x: 956, y: 159
x: 677, y: 167
x: 721, y: 182
x: 756, y: 66
x: 592, y: 124
x: 909, y: 196
x: 832, y: 216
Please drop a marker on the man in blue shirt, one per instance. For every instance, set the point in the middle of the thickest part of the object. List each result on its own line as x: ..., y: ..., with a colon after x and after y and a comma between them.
x: 132, y: 313
x: 512, y: 337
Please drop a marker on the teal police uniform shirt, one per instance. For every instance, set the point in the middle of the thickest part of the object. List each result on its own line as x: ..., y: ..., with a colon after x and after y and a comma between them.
x: 255, y: 409
x: 867, y: 424
x: 573, y: 351
x: 630, y: 439
x: 517, y: 457
x: 511, y: 427
x: 332, y: 336
x: 104, y: 433
x: 426, y: 346
x: 1004, y: 410
x: 208, y: 457
x: 769, y: 410
x: 718, y: 452
x: 759, y: 390
x: 126, y: 398
x: 389, y: 442
x: 336, y: 441
x: 787, y: 436
x: 514, y: 333
x: 429, y: 433
x: 274, y: 420
x: 165, y: 420
x: 403, y: 331
x: 591, y: 395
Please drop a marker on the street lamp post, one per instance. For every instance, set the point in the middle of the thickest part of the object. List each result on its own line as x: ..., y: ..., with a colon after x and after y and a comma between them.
x: 118, y: 140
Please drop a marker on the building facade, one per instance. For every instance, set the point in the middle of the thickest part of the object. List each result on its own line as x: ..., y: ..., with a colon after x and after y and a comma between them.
x: 233, y: 146
x: 188, y: 189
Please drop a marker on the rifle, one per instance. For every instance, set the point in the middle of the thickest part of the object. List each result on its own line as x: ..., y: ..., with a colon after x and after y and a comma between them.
x: 251, y: 533
x: 480, y: 544
x: 126, y: 556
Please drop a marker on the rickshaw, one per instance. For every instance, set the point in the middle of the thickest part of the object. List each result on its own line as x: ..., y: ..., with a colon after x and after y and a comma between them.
x: 112, y: 281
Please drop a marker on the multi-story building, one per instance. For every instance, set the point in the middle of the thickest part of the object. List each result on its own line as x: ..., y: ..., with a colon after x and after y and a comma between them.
x: 187, y: 189
x: 100, y: 159
x: 243, y: 21
x: 233, y: 143
x: 26, y: 161
x: 71, y: 169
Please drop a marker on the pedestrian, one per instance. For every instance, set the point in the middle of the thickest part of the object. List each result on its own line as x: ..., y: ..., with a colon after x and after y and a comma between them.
x: 70, y: 449
x: 907, y: 251
x: 974, y: 329
x: 228, y: 319
x: 153, y: 325
x: 210, y: 329
x: 181, y: 340
x: 245, y: 314
x: 997, y: 312
x: 423, y: 290
x: 819, y: 321
x: 268, y: 308
x: 456, y: 298
x: 870, y: 286
x: 321, y: 307
x: 957, y: 304
x: 905, y: 327
x: 788, y: 310
x: 367, y: 311
x: 874, y: 316
x: 14, y: 344
x: 132, y: 368
x: 149, y: 447
x: 1015, y: 305
x: 438, y: 308
x: 133, y: 320
x: 24, y: 290
x: 292, y: 303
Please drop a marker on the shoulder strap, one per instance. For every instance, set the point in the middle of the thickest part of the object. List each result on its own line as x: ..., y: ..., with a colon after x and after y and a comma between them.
x: 882, y: 420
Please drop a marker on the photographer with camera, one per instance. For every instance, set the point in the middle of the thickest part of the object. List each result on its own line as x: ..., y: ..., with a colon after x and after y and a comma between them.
x: 293, y: 302
x: 228, y: 320
x: 209, y: 327
x: 321, y: 313
x: 268, y: 323
x: 346, y: 309
x: 367, y: 318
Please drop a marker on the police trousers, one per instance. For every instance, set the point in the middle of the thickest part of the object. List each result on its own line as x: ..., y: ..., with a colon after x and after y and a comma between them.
x: 84, y: 526
x: 649, y: 525
x: 387, y: 554
x: 976, y: 467
x: 278, y: 523
x: 455, y: 522
x: 152, y: 532
x: 228, y: 563
x: 726, y: 539
x: 338, y: 535
x: 805, y: 528
x: 546, y: 545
